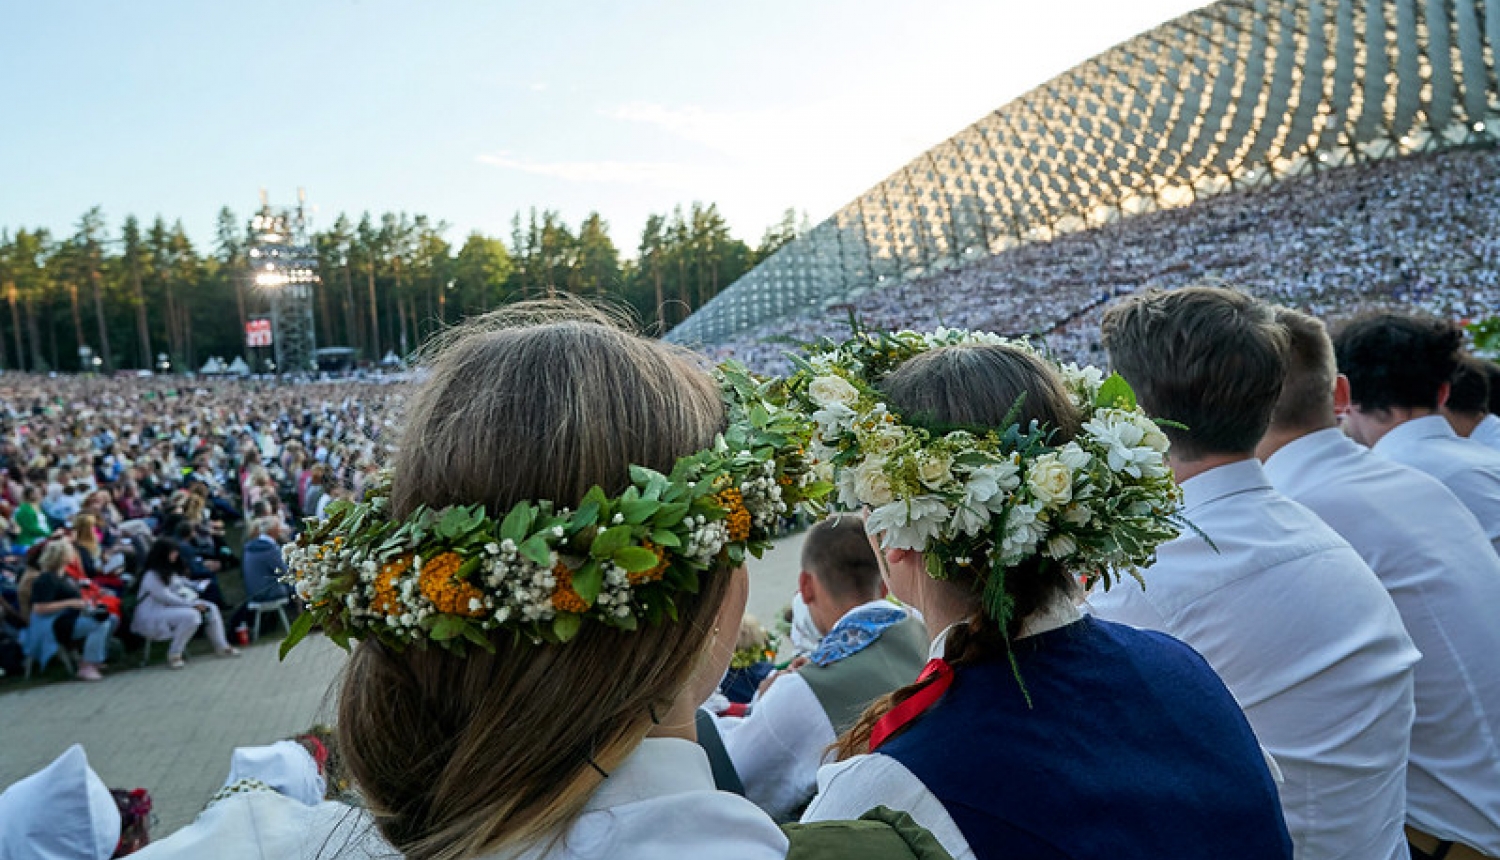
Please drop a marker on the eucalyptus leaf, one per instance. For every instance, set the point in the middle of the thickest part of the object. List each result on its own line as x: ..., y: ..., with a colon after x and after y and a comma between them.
x: 634, y: 559
x: 587, y: 581
x: 535, y: 549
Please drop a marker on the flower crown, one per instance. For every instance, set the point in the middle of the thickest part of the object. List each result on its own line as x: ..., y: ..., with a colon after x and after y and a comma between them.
x: 1097, y: 505
x: 541, y: 570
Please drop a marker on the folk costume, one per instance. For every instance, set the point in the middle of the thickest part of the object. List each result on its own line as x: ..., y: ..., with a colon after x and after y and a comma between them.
x: 1130, y: 747
x: 1081, y: 738
x: 874, y: 649
x: 1436, y: 562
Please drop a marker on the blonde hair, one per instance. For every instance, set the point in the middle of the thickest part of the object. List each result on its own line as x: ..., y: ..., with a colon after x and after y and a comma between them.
x: 83, y: 534
x: 55, y: 556
x: 459, y: 755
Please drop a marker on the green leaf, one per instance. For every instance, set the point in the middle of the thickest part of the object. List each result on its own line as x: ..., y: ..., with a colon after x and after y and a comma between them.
x: 638, y: 511
x: 517, y: 523
x: 669, y: 515
x: 635, y: 559
x: 535, y: 549
x: 609, y: 540
x: 587, y: 581
x: 626, y: 622
x: 339, y: 638
x: 478, y: 638
x: 586, y: 515
x: 447, y: 627
x: 1115, y: 393
x: 662, y: 537
x: 565, y: 626
x: 299, y: 629
x: 595, y: 495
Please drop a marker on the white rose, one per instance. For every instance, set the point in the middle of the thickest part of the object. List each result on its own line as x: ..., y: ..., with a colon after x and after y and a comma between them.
x: 830, y: 390
x: 934, y: 471
x: 882, y: 440
x: 871, y: 484
x: 1050, y: 480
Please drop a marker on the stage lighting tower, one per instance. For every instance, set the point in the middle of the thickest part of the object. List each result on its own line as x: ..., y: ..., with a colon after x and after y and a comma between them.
x: 284, y: 266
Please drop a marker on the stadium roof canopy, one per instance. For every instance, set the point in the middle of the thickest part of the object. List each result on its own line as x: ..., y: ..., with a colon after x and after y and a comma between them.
x: 1240, y: 92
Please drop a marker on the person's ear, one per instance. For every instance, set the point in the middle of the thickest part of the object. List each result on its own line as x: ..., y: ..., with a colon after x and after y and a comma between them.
x: 1342, y: 395
x: 807, y: 586
x: 1442, y: 396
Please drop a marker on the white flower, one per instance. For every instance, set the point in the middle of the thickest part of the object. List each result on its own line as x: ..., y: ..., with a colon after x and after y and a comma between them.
x: 970, y: 517
x: 1061, y: 546
x: 1022, y: 532
x: 1050, y: 480
x: 1073, y: 456
x: 908, y: 523
x: 832, y: 390
x: 871, y: 483
x: 989, y: 485
x: 833, y: 420
x: 1124, y: 437
x: 882, y: 440
x: 934, y: 470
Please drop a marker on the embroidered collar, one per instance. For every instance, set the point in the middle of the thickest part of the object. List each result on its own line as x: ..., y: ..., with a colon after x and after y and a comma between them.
x: 854, y: 633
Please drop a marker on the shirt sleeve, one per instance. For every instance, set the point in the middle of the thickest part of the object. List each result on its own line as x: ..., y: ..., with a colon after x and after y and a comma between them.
x: 849, y: 789
x: 776, y: 750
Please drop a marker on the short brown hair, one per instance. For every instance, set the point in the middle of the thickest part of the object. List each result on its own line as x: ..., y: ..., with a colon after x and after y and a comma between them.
x: 1208, y: 358
x: 1306, y: 400
x: 458, y: 755
x: 837, y: 553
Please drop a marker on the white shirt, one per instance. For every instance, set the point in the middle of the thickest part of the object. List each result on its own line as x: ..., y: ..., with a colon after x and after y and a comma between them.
x: 660, y: 804
x: 1487, y: 432
x: 1472, y: 471
x: 1436, y: 562
x: 1309, y: 643
x: 777, y: 749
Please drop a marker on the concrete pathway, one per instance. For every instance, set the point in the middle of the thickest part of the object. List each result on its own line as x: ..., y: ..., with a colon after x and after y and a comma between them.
x: 172, y: 732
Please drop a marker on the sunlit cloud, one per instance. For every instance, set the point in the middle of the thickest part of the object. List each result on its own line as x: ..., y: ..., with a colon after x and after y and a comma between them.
x: 665, y: 174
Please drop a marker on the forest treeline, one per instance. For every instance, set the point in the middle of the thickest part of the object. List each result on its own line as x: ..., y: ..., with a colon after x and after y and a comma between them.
x: 136, y: 291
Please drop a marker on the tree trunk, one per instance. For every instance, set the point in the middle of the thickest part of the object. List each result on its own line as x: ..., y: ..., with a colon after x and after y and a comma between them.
x: 142, y: 328
x: 239, y: 299
x: 351, y: 331
x: 15, y: 324
x: 374, y: 317
x: 77, y: 319
x: 109, y: 363
x: 661, y: 299
x: 174, y: 345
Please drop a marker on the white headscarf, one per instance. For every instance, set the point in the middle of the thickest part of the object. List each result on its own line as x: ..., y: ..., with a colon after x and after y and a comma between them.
x: 61, y: 812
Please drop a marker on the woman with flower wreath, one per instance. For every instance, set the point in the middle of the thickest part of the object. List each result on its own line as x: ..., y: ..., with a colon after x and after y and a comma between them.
x: 544, y: 591
x: 993, y: 483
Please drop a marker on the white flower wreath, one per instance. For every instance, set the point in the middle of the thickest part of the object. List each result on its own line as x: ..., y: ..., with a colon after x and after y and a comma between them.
x: 1098, y: 505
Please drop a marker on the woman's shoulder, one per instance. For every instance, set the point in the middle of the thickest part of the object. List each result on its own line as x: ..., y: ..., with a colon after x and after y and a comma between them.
x: 852, y: 789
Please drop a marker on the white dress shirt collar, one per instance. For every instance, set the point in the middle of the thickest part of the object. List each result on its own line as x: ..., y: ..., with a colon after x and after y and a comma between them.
x: 1304, y: 451
x: 1221, y: 482
x: 1408, y: 432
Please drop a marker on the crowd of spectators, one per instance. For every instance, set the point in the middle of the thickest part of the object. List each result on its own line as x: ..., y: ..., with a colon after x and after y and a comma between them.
x: 1417, y: 233
x: 124, y: 503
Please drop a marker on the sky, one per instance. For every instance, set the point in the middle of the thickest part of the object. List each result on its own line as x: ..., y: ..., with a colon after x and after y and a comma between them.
x: 470, y: 111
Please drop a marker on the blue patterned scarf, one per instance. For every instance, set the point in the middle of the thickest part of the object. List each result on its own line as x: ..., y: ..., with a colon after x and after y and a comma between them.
x: 854, y: 633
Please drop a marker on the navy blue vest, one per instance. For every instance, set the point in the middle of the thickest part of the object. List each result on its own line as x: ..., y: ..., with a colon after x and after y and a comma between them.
x: 1133, y: 749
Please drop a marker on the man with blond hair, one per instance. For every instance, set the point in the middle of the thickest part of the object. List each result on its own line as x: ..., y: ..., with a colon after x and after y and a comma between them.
x: 1437, y: 564
x: 1284, y: 610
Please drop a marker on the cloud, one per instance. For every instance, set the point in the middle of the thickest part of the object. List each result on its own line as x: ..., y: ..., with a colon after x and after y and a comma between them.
x: 610, y: 172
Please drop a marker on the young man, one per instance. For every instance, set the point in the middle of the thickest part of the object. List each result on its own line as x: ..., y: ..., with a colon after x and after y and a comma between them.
x: 1439, y: 568
x: 1472, y: 402
x: 1399, y: 367
x: 869, y: 648
x: 1284, y: 610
